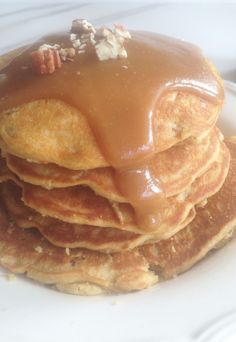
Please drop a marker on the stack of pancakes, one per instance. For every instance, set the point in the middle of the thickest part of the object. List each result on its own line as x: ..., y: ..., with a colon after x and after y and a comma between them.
x: 64, y: 220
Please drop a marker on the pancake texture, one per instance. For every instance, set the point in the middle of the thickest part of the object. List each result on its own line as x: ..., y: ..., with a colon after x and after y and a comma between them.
x: 52, y: 131
x: 69, y: 235
x: 176, y: 168
x: 86, y: 272
x: 101, y: 192
x: 80, y: 205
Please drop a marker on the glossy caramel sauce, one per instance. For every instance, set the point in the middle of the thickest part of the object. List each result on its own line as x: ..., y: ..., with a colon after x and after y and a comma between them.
x: 119, y: 98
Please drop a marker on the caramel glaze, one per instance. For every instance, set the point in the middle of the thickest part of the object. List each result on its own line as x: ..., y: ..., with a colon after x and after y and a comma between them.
x: 118, y: 97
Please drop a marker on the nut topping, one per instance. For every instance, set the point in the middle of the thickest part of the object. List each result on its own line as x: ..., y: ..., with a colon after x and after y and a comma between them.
x: 45, y: 47
x: 81, y: 26
x: 45, y: 61
x: 73, y: 36
x: 88, y: 38
x: 106, y: 43
x: 103, y: 32
x: 112, y: 44
x: 67, y: 54
x: 121, y: 31
x: 110, y: 50
x: 76, y: 43
x: 109, y: 44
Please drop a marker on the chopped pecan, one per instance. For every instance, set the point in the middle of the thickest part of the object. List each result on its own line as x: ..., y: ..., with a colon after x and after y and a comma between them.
x: 88, y: 38
x: 81, y: 26
x: 76, y: 43
x: 103, y: 32
x: 73, y: 36
x: 111, y: 43
x: 48, y: 46
x: 45, y: 61
x: 56, y: 59
x: 67, y: 54
x: 121, y: 31
x: 110, y: 48
x: 70, y: 52
x: 105, y: 50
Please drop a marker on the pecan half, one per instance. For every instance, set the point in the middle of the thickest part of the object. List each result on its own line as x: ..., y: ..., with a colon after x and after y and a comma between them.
x: 45, y: 61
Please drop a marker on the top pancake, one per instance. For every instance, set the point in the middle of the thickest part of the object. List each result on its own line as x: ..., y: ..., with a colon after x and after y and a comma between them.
x: 165, y: 93
x: 52, y: 131
x: 176, y: 168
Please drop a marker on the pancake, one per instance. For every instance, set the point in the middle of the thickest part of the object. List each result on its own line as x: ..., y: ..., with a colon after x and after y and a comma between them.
x: 176, y: 168
x: 89, y: 111
x: 70, y: 235
x: 49, y: 176
x: 86, y: 272
x: 80, y: 205
x: 213, y: 224
x: 112, y: 160
x: 45, y: 127
x: 54, y: 132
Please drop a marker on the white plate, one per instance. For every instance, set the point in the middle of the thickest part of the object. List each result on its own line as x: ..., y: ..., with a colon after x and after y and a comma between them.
x: 175, y: 310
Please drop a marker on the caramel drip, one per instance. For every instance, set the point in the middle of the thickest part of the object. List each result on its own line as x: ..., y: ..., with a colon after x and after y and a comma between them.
x: 119, y: 98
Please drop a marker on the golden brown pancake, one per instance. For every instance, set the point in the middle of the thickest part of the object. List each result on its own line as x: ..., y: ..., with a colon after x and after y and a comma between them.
x: 79, y: 205
x: 70, y: 235
x: 53, y: 131
x: 212, y: 224
x: 176, y: 168
x: 65, y: 234
x: 50, y: 131
x: 88, y: 272
x: 112, y: 114
x: 107, y: 163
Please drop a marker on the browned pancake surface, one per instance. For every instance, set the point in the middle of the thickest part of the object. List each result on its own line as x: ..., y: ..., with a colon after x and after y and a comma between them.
x: 176, y: 168
x: 87, y: 272
x: 70, y: 235
x: 210, y: 225
x: 80, y: 205
x: 51, y: 131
